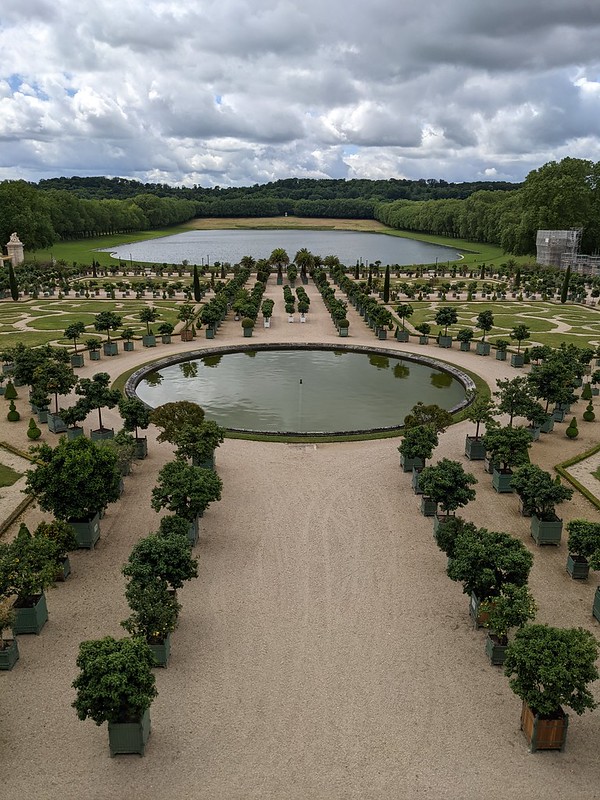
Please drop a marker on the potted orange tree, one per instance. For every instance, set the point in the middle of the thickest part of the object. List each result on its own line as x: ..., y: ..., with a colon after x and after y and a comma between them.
x: 583, y: 545
x: 512, y: 608
x: 187, y: 491
x: 484, y: 561
x: 27, y: 568
x: 550, y: 668
x: 507, y: 447
x: 540, y: 495
x: 153, y: 615
x: 9, y: 649
x: 75, y: 481
x: 116, y: 685
x: 448, y: 486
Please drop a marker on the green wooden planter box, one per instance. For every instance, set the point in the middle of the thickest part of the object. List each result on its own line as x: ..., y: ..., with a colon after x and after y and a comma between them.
x: 129, y: 737
x: 445, y: 341
x: 558, y: 415
x: 415, y: 480
x: 94, y: 355
x: 483, y: 348
x: 166, y: 338
x: 495, y: 652
x: 438, y: 521
x: 382, y: 334
x: 9, y: 655
x: 31, y: 619
x: 596, y: 606
x: 500, y: 355
x: 207, y: 463
x: 209, y: 333
x: 402, y: 336
x: 474, y: 449
x: 194, y: 532
x: 87, y: 532
x: 408, y: 464
x: 64, y: 570
x: 501, y: 481
x: 128, y: 346
x: 534, y: 432
x: 141, y: 447
x: 465, y: 347
x: 42, y: 415
x: 343, y: 331
x: 56, y: 424
x: 77, y: 360
x: 428, y: 506
x: 548, y: 425
x: 477, y: 616
x: 247, y: 332
x: 161, y: 651
x: 149, y: 341
x: 578, y: 567
x: 546, y: 531
x: 517, y: 360
x: 74, y: 433
x: 102, y: 433
x: 110, y: 349
x: 423, y: 339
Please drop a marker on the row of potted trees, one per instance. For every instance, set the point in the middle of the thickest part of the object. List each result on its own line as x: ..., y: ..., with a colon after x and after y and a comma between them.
x: 548, y: 667
x: 157, y: 568
x: 337, y: 308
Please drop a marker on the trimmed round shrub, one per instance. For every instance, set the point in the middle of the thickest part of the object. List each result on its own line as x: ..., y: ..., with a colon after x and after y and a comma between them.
x: 572, y: 431
x: 13, y: 415
x: 588, y: 414
x: 33, y: 432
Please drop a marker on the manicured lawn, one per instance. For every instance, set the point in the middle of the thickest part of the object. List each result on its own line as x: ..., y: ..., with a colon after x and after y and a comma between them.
x: 549, y: 323
x: 8, y: 476
x: 46, y: 319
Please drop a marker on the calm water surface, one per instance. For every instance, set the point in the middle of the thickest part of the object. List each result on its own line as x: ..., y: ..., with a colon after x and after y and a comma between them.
x: 206, y: 247
x: 302, y: 391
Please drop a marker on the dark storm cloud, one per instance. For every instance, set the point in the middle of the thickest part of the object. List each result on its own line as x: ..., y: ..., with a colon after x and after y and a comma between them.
x: 232, y: 92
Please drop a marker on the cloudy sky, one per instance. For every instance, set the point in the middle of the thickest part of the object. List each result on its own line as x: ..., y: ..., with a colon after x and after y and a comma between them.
x: 237, y: 92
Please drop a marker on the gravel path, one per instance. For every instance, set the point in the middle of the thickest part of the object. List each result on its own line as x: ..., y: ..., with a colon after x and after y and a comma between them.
x: 322, y: 653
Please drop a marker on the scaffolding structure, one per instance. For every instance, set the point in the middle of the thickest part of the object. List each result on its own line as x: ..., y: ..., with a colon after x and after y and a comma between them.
x: 557, y: 248
x: 561, y: 249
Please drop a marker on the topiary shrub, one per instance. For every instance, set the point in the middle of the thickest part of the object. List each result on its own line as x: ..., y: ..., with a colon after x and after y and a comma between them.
x: 33, y: 432
x: 10, y: 393
x: 588, y: 414
x: 572, y: 431
x: 13, y: 415
x: 586, y: 393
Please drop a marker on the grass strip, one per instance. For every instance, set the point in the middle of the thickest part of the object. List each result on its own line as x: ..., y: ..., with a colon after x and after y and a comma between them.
x: 562, y: 471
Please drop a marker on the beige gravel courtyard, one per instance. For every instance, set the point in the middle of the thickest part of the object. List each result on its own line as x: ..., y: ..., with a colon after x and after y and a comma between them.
x: 322, y: 653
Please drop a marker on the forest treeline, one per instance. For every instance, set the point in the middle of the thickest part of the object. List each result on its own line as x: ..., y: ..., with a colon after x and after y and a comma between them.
x: 560, y: 195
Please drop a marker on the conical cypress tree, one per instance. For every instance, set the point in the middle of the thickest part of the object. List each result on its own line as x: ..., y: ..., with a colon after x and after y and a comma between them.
x: 197, y: 292
x: 386, y: 285
x: 565, y: 287
x: 12, y: 282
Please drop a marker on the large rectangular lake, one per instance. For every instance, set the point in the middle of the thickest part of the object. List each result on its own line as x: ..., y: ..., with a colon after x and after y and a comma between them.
x: 206, y: 247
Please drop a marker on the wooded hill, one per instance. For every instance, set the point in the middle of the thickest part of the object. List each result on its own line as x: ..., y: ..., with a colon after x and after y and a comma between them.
x: 559, y: 195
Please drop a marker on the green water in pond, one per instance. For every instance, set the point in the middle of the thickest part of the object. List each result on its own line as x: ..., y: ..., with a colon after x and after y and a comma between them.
x: 302, y: 390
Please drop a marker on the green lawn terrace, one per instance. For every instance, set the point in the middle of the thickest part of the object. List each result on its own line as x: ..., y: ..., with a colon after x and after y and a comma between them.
x: 38, y: 322
x: 549, y: 323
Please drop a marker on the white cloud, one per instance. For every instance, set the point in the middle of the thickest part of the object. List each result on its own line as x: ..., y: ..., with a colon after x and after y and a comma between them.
x: 229, y: 92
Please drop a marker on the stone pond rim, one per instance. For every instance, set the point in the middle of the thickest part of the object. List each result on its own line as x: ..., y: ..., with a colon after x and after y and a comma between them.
x: 466, y: 382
